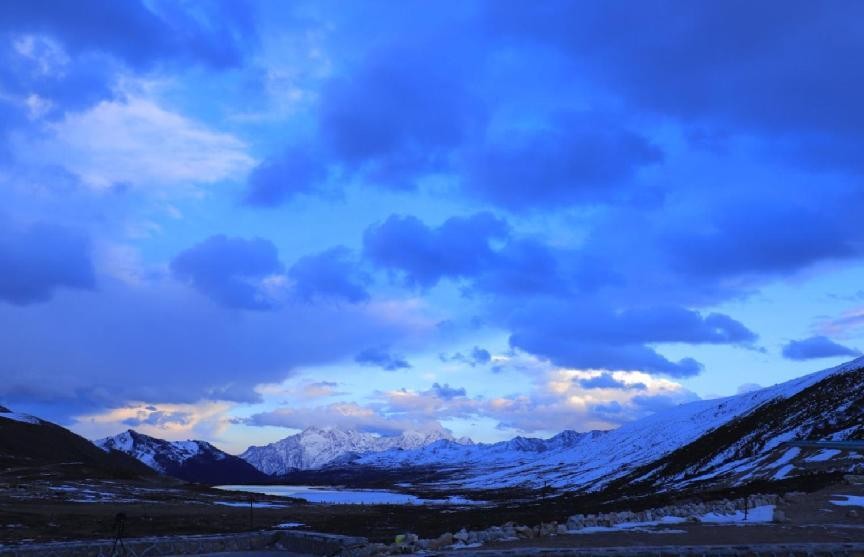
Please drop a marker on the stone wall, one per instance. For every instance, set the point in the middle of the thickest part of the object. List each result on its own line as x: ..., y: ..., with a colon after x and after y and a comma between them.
x: 685, y: 510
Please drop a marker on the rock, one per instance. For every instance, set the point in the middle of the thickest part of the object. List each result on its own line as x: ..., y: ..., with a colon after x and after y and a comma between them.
x: 461, y: 536
x: 562, y: 529
x: 852, y: 513
x: 442, y: 541
x: 524, y: 532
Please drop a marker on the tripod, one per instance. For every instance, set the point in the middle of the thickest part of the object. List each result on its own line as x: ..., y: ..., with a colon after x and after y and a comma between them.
x: 119, y: 548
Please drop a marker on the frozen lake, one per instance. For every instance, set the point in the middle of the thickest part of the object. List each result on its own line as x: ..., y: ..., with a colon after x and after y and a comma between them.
x: 338, y: 496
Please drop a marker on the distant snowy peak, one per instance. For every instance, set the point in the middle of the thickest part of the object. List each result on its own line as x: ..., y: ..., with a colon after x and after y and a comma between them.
x: 314, y: 448
x: 157, y: 453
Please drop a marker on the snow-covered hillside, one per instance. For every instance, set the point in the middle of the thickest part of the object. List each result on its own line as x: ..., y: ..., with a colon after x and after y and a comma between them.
x: 18, y: 416
x: 197, y: 461
x: 158, y: 454
x: 591, y: 461
x: 315, y: 447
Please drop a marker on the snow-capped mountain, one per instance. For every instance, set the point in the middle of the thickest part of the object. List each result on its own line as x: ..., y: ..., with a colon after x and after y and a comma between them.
x: 196, y: 461
x: 314, y: 448
x: 728, y: 440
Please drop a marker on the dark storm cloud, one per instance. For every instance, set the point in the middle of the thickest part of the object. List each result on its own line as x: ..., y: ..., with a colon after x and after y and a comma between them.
x: 597, y: 338
x: 332, y: 274
x: 460, y: 247
x: 278, y: 179
x: 768, y: 235
x: 577, y: 158
x: 776, y: 67
x: 817, y: 347
x: 38, y: 259
x: 230, y: 270
x: 400, y: 113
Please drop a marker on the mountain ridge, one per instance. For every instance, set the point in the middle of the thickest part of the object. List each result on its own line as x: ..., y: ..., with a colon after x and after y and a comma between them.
x: 191, y: 460
x: 316, y: 447
x: 594, y: 461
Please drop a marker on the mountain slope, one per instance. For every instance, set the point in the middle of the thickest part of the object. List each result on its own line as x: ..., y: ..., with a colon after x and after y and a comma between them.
x: 28, y: 442
x: 724, y: 440
x: 314, y: 448
x: 754, y: 446
x: 194, y: 461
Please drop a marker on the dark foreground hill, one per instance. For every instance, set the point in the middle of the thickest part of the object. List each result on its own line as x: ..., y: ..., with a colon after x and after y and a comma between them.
x: 28, y: 443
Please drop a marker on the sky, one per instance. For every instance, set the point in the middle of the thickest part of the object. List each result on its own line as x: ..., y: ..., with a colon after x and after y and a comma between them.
x: 231, y: 220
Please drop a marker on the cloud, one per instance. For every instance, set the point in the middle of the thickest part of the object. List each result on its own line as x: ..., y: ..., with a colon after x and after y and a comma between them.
x: 849, y: 321
x: 478, y: 356
x: 321, y: 389
x: 331, y: 274
x: 343, y: 415
x: 816, y: 347
x: 159, y: 419
x: 728, y: 65
x: 296, y: 171
x: 140, y: 34
x: 138, y: 143
x: 555, y: 402
x: 580, y: 158
x: 38, y: 259
x: 381, y: 357
x: 460, y: 247
x: 608, y: 381
x: 446, y: 392
x: 392, y: 122
x: 41, y: 80
x: 186, y: 348
x: 174, y: 422
x: 593, y: 337
x: 765, y: 234
x: 230, y: 271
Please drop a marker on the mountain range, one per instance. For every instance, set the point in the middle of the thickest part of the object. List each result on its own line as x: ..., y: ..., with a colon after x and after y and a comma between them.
x: 314, y: 448
x: 723, y: 442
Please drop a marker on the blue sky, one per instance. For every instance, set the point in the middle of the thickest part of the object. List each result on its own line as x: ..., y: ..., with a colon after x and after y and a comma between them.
x: 232, y: 220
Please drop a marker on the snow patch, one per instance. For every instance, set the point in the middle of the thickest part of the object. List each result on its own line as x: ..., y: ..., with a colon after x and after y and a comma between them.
x: 257, y: 505
x: 19, y: 417
x: 783, y: 472
x: 851, y: 501
x: 823, y: 455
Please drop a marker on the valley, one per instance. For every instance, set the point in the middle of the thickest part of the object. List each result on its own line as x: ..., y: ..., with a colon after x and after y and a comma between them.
x: 680, y: 477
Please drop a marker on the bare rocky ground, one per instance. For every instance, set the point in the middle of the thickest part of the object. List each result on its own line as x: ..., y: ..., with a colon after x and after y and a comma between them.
x: 45, y: 506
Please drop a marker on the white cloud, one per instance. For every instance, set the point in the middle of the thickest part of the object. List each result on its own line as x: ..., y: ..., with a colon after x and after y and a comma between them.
x: 136, y: 142
x: 556, y: 402
x: 174, y: 422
